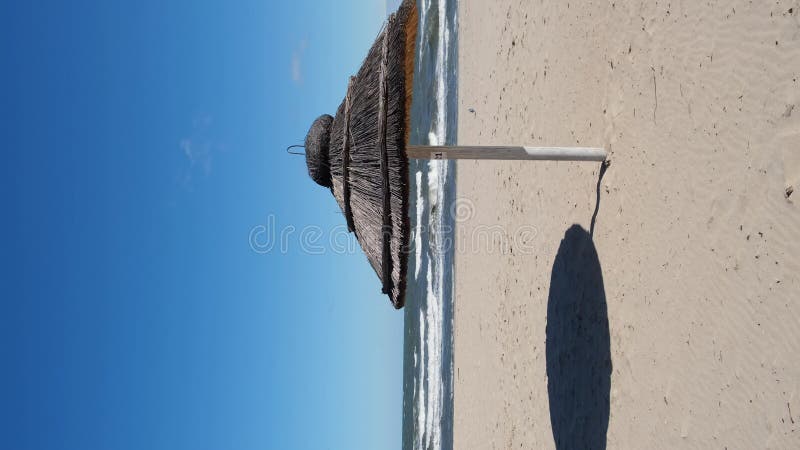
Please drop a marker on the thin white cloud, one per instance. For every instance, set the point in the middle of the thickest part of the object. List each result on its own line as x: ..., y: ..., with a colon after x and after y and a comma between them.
x: 297, y: 62
x: 199, y: 149
x: 198, y: 154
x: 297, y: 75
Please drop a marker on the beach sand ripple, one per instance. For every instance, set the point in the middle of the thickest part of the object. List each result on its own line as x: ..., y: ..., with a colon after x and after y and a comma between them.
x: 698, y: 234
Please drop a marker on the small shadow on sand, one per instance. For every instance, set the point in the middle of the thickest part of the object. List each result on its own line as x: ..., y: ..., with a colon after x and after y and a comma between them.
x: 578, y: 345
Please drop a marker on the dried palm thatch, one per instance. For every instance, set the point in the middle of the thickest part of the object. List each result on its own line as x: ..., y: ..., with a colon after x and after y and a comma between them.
x: 360, y: 154
x: 317, y: 150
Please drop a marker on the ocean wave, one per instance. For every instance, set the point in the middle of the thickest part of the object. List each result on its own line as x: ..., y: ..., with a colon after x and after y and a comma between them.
x: 427, y: 385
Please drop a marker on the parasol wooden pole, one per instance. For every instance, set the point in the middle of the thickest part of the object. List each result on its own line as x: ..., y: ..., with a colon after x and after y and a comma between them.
x: 506, y: 153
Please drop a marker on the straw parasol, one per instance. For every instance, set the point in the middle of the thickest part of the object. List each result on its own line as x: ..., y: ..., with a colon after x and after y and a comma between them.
x: 362, y: 155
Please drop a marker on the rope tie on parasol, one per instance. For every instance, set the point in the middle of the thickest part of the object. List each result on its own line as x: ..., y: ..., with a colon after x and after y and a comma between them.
x: 386, y: 231
x: 347, y: 138
x: 289, y: 150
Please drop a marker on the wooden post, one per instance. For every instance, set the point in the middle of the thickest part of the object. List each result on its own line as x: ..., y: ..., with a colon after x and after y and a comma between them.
x: 506, y: 153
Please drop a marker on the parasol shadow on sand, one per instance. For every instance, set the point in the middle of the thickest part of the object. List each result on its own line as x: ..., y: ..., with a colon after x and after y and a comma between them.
x: 578, y: 345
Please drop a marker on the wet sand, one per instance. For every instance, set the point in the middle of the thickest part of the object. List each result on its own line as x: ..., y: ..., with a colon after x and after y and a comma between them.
x: 676, y: 323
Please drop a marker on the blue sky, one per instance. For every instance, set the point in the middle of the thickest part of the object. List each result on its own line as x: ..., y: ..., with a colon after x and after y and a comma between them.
x: 143, y: 142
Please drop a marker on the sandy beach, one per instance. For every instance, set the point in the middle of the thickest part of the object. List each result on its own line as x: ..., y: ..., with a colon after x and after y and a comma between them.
x: 676, y: 323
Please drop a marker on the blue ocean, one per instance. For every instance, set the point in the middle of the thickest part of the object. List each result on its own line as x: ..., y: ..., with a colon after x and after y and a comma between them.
x: 428, y: 344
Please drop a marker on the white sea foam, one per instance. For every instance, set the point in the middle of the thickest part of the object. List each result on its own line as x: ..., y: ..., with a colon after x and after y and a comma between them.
x: 418, y: 230
x: 427, y: 418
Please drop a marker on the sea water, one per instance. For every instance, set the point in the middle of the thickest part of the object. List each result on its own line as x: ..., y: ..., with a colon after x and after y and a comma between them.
x: 428, y: 336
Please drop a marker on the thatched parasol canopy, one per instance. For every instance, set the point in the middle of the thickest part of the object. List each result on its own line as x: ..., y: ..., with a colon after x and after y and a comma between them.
x: 360, y: 154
